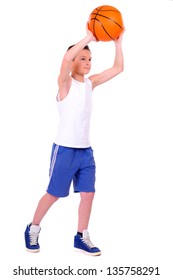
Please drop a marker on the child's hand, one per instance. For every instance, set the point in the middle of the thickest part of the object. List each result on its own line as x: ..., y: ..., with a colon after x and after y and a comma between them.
x: 93, y: 38
x: 119, y: 39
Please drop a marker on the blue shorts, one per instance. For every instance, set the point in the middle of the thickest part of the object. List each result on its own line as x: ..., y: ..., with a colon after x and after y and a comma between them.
x: 69, y: 165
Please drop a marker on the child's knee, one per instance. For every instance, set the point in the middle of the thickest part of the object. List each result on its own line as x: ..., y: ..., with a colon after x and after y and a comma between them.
x: 87, y: 196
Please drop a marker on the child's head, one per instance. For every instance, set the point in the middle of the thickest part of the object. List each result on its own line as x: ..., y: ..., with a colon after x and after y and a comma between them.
x: 81, y: 64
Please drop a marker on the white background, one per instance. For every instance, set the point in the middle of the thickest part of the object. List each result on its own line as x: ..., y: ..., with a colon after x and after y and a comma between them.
x: 131, y: 135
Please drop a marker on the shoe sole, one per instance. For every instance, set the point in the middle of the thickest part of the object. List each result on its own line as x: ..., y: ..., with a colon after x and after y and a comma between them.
x: 32, y: 251
x: 87, y: 253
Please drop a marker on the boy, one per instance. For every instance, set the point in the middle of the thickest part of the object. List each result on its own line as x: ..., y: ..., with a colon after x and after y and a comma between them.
x: 72, y: 156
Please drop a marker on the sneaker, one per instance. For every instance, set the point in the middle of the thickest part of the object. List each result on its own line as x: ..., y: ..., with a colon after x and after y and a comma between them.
x: 31, y: 238
x: 83, y: 244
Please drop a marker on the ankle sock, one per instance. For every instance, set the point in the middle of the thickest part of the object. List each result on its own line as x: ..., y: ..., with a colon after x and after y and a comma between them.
x: 80, y: 233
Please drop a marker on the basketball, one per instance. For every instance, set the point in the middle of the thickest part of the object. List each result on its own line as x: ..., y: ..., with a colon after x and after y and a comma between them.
x: 106, y: 23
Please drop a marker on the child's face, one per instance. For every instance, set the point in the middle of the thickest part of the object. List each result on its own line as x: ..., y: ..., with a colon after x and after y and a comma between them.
x: 82, y: 62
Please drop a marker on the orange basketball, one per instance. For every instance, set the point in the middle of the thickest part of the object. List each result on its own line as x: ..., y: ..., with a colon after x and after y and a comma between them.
x: 106, y: 23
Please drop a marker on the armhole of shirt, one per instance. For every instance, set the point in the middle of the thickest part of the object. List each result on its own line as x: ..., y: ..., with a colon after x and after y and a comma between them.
x: 58, y: 97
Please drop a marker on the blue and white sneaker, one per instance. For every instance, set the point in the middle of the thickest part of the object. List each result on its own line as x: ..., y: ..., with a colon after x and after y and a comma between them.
x: 31, y: 238
x: 84, y: 245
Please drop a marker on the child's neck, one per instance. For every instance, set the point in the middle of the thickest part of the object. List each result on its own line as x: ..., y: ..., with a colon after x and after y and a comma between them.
x: 79, y: 78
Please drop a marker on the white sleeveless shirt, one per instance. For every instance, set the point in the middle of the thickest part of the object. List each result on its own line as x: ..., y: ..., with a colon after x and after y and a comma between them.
x: 74, y: 116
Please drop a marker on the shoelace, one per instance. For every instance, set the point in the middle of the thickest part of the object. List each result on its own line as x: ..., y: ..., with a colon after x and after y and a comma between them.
x: 33, y: 238
x: 88, y: 242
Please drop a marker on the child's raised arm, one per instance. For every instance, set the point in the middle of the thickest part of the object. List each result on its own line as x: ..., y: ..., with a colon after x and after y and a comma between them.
x: 118, y: 66
x: 70, y: 55
x: 64, y: 80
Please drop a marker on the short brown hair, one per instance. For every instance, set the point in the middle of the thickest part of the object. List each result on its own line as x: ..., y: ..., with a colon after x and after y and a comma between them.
x: 85, y: 48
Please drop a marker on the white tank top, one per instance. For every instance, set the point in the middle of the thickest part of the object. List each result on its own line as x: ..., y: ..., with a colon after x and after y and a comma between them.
x: 74, y: 116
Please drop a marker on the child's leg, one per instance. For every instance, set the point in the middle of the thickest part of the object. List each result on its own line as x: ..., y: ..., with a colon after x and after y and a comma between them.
x: 84, y: 210
x: 43, y: 206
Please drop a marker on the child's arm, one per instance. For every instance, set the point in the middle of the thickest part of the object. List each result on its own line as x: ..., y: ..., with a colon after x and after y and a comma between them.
x: 117, y: 67
x: 64, y: 76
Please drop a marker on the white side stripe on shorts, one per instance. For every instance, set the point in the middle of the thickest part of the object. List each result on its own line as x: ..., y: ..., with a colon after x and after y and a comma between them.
x: 53, y: 160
